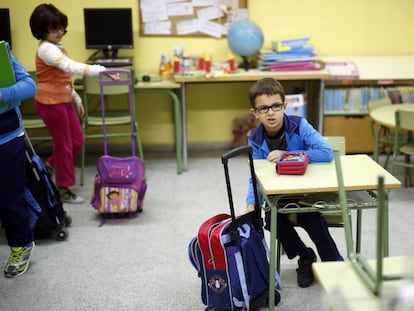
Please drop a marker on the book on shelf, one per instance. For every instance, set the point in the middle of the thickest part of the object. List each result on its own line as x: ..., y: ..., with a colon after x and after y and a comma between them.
x: 342, y: 70
x: 6, y: 73
x: 296, y: 105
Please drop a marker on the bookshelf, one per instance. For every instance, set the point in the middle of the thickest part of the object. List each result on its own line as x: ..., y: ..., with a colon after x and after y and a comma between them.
x: 345, y: 111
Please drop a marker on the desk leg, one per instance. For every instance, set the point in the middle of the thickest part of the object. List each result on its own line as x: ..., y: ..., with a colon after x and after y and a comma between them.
x: 184, y: 125
x: 385, y: 247
x: 272, y: 266
x: 177, y: 121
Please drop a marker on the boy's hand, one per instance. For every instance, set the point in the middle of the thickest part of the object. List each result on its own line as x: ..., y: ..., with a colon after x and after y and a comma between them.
x: 274, y: 155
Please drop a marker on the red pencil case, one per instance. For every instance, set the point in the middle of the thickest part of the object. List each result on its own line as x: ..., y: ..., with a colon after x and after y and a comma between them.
x: 292, y: 163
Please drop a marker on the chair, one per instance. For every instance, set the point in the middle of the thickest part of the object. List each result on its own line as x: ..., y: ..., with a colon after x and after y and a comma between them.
x: 372, y: 278
x: 115, y: 117
x: 385, y: 137
x: 403, y: 144
x: 333, y: 218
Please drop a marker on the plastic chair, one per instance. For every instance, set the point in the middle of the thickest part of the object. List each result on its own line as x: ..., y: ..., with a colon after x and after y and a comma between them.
x: 386, y: 138
x: 124, y: 114
x: 403, y: 144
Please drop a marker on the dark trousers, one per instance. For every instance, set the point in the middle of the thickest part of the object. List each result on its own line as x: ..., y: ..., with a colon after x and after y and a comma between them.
x: 317, y: 229
x: 13, y: 214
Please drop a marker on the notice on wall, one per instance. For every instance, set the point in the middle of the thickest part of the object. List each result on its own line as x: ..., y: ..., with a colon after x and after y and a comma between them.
x: 190, y: 18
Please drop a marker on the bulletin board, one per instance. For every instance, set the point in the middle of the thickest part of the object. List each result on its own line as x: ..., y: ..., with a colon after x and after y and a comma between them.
x: 189, y: 18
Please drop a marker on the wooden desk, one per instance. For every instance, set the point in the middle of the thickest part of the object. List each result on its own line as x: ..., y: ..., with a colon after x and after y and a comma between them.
x: 169, y: 88
x: 386, y: 116
x: 252, y: 75
x: 319, y: 177
x: 346, y: 291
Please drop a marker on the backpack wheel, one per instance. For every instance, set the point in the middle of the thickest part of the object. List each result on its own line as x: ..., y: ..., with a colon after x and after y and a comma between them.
x: 61, y: 235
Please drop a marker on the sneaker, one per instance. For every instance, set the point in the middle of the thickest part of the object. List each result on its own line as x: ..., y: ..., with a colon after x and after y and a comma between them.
x: 67, y: 196
x: 18, y: 261
x: 305, y: 276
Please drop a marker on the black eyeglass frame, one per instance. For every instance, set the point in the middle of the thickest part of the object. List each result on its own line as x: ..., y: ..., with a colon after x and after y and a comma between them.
x: 265, y: 109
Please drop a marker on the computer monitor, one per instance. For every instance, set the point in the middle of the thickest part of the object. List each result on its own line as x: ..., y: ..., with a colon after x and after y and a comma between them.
x: 108, y: 29
x: 5, y: 31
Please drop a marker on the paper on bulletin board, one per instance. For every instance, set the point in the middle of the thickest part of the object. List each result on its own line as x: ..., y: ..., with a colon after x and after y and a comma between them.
x: 190, y: 17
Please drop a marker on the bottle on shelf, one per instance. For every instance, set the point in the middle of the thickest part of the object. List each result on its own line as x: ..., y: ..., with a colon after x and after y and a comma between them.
x: 165, y: 70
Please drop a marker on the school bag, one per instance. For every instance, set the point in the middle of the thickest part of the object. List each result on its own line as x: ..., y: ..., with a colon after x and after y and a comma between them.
x: 119, y: 185
x: 231, y: 255
x: 41, y: 197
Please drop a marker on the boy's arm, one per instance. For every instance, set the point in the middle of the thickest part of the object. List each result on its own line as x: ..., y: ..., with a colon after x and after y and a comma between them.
x: 318, y: 148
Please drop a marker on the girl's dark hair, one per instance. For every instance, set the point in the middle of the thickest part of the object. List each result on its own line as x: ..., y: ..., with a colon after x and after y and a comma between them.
x: 46, y: 17
x: 265, y: 86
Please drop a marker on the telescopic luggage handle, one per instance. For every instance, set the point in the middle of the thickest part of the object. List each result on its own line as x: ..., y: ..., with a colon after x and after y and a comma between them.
x: 224, y: 159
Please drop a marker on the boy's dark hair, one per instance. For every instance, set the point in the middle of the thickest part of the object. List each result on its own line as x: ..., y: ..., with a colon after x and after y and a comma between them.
x: 46, y: 17
x: 265, y: 86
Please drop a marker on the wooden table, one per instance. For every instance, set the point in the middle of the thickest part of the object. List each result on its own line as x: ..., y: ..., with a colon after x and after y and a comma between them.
x: 243, y: 76
x: 164, y: 87
x: 346, y: 291
x: 169, y: 88
x: 385, y: 116
x: 360, y: 172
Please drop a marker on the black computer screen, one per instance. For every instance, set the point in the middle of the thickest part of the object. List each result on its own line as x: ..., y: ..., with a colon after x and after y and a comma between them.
x: 5, y: 31
x: 108, y: 28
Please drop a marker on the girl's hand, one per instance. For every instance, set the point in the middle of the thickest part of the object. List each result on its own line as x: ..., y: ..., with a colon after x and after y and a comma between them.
x: 80, y: 109
x: 114, y: 76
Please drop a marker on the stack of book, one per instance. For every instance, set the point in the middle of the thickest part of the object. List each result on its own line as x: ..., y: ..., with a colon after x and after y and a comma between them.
x: 294, y: 54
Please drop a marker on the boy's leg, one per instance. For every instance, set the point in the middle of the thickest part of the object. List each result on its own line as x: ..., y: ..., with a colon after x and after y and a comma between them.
x: 315, y: 225
x: 13, y: 213
x: 294, y: 246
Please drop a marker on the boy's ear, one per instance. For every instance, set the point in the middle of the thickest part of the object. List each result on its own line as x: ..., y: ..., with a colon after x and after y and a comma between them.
x: 253, y: 112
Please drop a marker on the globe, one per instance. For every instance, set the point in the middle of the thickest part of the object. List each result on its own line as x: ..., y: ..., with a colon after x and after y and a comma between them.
x: 245, y: 39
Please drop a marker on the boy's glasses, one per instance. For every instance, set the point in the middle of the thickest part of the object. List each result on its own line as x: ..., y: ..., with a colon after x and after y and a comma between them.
x: 265, y: 109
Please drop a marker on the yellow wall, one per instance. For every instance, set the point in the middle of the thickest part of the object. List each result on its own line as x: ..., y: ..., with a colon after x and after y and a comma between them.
x: 352, y: 27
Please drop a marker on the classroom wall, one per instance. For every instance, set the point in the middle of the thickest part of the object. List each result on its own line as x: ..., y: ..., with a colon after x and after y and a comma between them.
x: 353, y: 27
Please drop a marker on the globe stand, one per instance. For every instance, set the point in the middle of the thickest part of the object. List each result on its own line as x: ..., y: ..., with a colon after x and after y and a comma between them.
x: 245, y: 63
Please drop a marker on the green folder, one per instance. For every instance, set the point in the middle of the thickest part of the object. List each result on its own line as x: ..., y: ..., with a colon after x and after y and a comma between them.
x: 6, y: 69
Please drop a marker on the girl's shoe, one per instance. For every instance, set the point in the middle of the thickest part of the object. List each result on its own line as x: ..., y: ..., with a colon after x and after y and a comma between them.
x: 67, y: 196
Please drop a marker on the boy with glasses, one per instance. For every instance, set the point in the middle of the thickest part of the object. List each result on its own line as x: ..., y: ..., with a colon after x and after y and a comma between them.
x: 276, y: 133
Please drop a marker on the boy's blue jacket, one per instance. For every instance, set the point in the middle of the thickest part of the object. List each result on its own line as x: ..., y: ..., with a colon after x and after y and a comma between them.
x: 300, y: 136
x: 11, y: 124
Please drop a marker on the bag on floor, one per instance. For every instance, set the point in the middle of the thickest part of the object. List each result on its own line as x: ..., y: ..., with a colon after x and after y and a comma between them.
x: 231, y: 255
x: 41, y: 197
x: 120, y: 185
x: 234, y: 274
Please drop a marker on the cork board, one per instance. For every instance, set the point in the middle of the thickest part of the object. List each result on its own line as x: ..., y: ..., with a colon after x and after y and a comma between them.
x: 184, y: 18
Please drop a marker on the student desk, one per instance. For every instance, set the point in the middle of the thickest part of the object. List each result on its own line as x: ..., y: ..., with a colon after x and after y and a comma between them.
x: 169, y: 88
x: 309, y: 77
x: 360, y: 172
x: 385, y: 116
x: 346, y: 291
